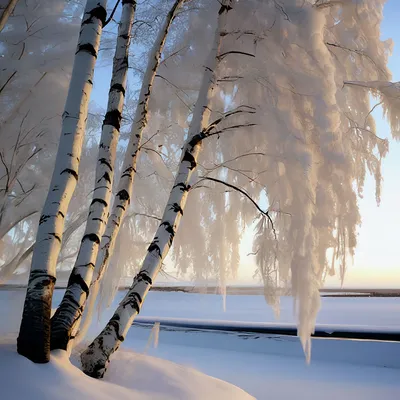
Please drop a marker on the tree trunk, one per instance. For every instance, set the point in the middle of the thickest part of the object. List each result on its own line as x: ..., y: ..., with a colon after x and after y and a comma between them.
x: 34, y: 336
x: 70, y: 310
x: 96, y: 358
x: 124, y: 190
x: 6, y: 13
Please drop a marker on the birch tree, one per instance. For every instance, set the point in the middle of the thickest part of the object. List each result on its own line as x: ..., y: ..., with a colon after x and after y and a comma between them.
x: 34, y: 336
x: 96, y: 358
x: 128, y: 172
x: 77, y: 291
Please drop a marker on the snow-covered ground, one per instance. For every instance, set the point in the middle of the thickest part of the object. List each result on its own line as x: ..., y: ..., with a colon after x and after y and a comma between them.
x: 131, y: 376
x: 265, y: 366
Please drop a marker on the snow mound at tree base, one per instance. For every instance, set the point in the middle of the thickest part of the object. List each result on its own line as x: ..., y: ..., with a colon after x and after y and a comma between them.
x: 130, y: 376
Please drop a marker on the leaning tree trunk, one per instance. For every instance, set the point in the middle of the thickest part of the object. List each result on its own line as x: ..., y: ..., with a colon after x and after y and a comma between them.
x: 6, y: 13
x: 70, y: 310
x: 96, y: 358
x: 34, y: 336
x: 124, y: 190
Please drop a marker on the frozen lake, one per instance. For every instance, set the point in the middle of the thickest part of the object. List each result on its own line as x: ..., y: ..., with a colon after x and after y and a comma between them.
x: 357, y: 311
x: 267, y: 367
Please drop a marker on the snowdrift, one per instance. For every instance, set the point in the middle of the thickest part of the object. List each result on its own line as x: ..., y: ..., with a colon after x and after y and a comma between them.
x: 130, y: 376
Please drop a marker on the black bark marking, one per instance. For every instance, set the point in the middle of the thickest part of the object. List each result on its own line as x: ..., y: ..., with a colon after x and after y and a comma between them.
x: 134, y: 300
x: 71, y: 172
x: 43, y: 219
x: 123, y: 195
x: 170, y: 229
x: 196, y: 139
x: 177, y: 208
x: 118, y: 88
x: 183, y: 187
x: 133, y: 2
x: 101, y: 201
x: 34, y: 336
x: 120, y: 206
x: 104, y: 161
x: 98, y: 12
x: 57, y: 237
x: 113, y: 118
x: 76, y: 279
x: 61, y: 214
x: 129, y: 170
x: 98, y: 219
x: 143, y: 276
x: 92, y: 237
x: 106, y: 176
x: 224, y: 8
x: 114, y: 322
x: 88, y: 48
x: 154, y: 247
x: 189, y: 158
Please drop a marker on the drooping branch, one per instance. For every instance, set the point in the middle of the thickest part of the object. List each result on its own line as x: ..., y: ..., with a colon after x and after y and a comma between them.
x: 244, y: 193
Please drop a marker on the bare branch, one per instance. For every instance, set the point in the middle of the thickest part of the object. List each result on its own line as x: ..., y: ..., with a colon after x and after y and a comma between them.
x: 244, y: 193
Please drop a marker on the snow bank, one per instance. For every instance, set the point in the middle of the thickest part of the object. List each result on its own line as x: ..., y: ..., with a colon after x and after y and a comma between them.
x: 130, y: 376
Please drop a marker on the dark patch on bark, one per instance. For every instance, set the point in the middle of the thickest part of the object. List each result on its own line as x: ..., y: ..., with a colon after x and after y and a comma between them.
x: 92, y: 237
x: 104, y: 161
x: 129, y: 170
x: 115, y: 324
x: 55, y: 236
x: 224, y: 8
x: 126, y: 37
x: 44, y: 218
x: 119, y: 206
x: 113, y: 118
x: 133, y: 2
x: 98, y: 12
x: 61, y: 214
x: 106, y: 176
x: 182, y: 186
x: 98, y: 219
x: 34, y: 336
x: 76, y: 279
x: 101, y: 201
x: 177, y: 208
x: 170, y: 229
x: 123, y: 195
x: 154, y: 247
x: 71, y: 172
x: 196, y: 139
x: 143, y: 276
x: 117, y: 87
x: 189, y: 158
x: 87, y: 48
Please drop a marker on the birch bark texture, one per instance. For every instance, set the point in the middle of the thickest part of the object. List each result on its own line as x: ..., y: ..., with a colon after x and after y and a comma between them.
x: 7, y: 12
x: 125, y: 185
x: 34, y: 337
x: 95, y: 358
x: 68, y: 314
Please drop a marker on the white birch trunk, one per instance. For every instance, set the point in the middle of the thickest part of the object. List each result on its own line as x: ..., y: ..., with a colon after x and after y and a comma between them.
x: 70, y: 310
x: 96, y: 358
x: 34, y: 336
x: 6, y: 13
x: 124, y: 190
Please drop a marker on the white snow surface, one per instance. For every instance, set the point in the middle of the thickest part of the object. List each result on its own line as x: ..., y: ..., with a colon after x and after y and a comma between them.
x: 131, y: 376
x: 267, y: 367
